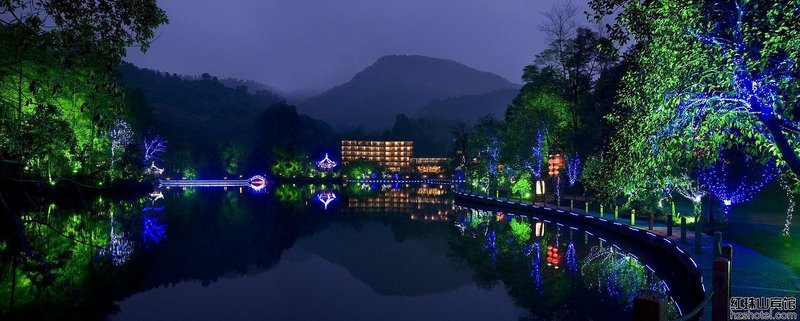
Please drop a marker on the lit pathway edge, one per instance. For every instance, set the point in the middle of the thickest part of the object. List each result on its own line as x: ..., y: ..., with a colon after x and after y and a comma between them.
x: 749, y: 267
x: 697, y: 279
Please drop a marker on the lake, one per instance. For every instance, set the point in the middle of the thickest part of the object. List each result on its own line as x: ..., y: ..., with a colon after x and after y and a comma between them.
x: 305, y: 252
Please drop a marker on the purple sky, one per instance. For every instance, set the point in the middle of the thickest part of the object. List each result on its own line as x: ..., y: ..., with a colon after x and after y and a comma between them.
x: 315, y: 44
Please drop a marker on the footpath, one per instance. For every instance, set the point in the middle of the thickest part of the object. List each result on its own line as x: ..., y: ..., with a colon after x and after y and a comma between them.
x: 752, y: 274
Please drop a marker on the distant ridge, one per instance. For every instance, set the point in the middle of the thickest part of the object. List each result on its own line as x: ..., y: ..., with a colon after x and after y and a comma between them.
x: 469, y: 108
x: 398, y: 84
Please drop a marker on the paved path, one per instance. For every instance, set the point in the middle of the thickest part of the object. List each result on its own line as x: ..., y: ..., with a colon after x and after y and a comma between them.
x: 752, y: 274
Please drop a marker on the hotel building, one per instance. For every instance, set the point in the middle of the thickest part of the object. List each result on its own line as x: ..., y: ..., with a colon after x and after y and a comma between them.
x: 394, y: 155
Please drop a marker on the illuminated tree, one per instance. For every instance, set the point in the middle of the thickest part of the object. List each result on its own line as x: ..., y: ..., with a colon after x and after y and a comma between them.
x: 492, y: 155
x: 736, y: 186
x: 59, y: 57
x: 522, y: 187
x: 692, y: 189
x: 573, y: 169
x: 154, y: 145
x: 538, y: 154
x: 233, y: 157
x: 712, y: 76
x: 121, y: 135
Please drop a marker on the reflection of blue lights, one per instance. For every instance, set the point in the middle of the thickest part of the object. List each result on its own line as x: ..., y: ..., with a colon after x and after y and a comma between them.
x: 119, y: 248
x: 153, y: 230
x: 572, y: 258
x: 326, y: 198
x: 536, y: 272
x: 491, y: 245
x: 153, y: 209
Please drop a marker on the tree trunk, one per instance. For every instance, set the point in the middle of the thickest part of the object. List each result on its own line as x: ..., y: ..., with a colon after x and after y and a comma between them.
x: 781, y: 142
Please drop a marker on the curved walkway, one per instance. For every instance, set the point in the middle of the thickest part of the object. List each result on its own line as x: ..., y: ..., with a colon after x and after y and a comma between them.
x: 752, y: 274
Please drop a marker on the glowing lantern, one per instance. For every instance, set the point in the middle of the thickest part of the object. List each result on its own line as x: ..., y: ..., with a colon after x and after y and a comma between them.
x: 554, y: 164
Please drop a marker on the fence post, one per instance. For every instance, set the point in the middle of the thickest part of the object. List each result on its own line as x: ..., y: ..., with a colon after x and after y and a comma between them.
x: 727, y: 252
x: 683, y: 229
x: 650, y: 223
x: 633, y: 217
x: 720, y: 300
x: 649, y: 306
x: 698, y: 235
x: 601, y: 210
x: 586, y: 206
x: 669, y: 225
x: 616, y: 212
x: 717, y: 244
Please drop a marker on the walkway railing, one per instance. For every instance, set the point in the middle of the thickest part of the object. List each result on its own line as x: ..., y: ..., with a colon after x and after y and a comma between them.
x: 649, y: 307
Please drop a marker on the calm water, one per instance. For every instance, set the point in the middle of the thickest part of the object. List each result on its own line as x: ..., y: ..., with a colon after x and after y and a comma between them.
x: 370, y: 253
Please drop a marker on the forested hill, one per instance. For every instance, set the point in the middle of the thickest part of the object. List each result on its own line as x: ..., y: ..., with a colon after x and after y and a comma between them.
x: 469, y: 108
x: 212, y: 128
x: 190, y: 110
x: 395, y: 85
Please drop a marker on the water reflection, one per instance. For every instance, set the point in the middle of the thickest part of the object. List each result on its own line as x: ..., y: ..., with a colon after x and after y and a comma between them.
x: 397, y: 245
x: 555, y: 271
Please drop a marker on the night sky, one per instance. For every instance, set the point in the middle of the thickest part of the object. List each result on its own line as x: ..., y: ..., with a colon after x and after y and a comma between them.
x: 300, y: 45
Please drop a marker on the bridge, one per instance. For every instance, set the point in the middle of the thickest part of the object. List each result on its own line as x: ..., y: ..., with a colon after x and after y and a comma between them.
x: 257, y: 182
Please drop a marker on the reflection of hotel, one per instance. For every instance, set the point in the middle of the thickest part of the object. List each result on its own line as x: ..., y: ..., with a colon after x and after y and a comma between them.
x: 431, y: 200
x: 428, y: 165
x: 395, y: 155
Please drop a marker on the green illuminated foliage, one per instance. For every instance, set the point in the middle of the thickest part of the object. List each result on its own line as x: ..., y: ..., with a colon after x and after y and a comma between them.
x: 58, y: 94
x: 687, y: 56
x: 522, y: 187
x: 361, y: 169
x: 521, y: 230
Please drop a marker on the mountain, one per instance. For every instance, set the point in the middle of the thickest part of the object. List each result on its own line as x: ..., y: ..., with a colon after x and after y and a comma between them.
x: 188, y: 109
x: 253, y: 86
x: 398, y: 84
x: 469, y: 108
x: 212, y: 128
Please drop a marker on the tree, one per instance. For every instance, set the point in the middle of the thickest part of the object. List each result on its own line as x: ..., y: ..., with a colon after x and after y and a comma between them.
x: 154, y: 145
x: 233, y: 157
x: 121, y: 135
x: 61, y: 55
x: 522, y: 187
x: 713, y: 76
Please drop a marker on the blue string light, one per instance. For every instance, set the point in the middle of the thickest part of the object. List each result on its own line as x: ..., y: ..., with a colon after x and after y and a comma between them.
x: 494, y: 154
x: 537, y: 155
x: 573, y: 169
x: 731, y: 191
x: 491, y: 246
x: 153, y: 146
x: 754, y: 93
